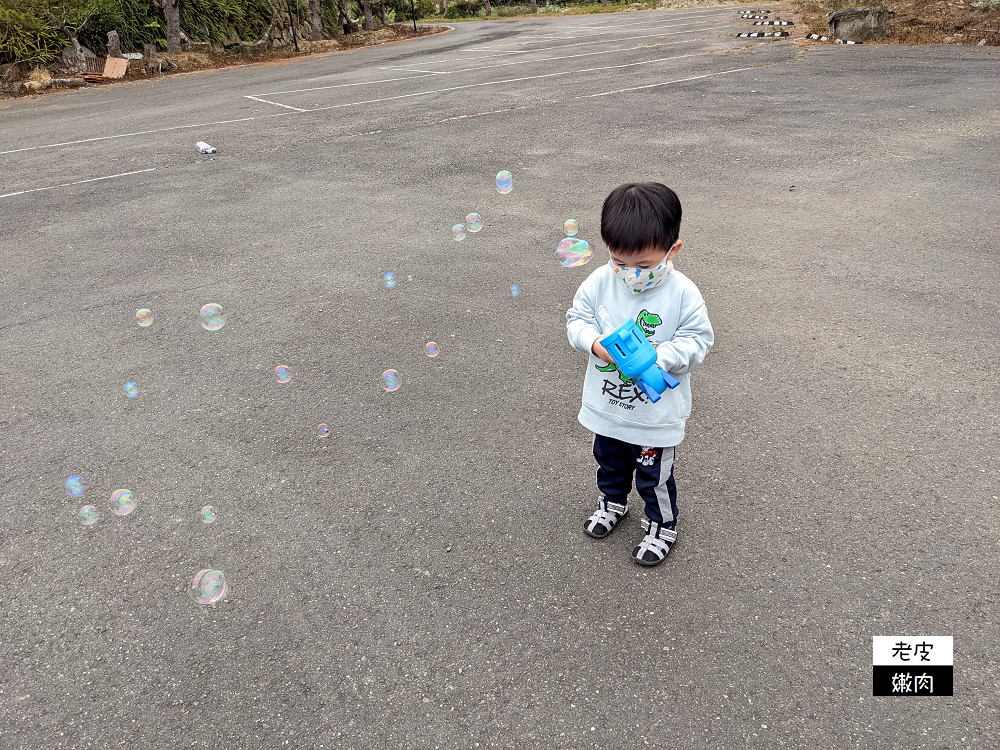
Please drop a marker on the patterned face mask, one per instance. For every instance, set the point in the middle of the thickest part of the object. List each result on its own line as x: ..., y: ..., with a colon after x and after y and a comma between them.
x: 639, y: 280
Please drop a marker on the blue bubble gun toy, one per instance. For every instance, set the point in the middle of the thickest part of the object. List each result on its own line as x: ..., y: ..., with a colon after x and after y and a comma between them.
x: 634, y: 355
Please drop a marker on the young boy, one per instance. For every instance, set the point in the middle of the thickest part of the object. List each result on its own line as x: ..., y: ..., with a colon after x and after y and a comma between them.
x: 640, y: 224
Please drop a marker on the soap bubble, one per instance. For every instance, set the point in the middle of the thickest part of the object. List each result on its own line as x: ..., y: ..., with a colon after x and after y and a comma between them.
x: 458, y: 232
x: 144, y: 318
x: 88, y: 515
x: 122, y: 502
x: 207, y: 514
x: 505, y: 182
x: 390, y: 379
x: 324, y: 431
x: 209, y: 587
x: 474, y: 222
x: 212, y: 318
x: 431, y: 349
x: 571, y: 227
x: 131, y: 389
x: 390, y: 280
x: 606, y: 319
x: 573, y: 252
x: 282, y: 373
x: 514, y: 291
x: 75, y: 486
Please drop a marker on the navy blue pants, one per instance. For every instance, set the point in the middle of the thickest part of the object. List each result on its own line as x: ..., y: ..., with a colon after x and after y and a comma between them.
x: 654, y: 476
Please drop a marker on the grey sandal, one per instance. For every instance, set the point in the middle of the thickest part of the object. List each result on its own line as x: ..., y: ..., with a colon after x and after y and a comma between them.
x: 605, y: 518
x: 653, y: 548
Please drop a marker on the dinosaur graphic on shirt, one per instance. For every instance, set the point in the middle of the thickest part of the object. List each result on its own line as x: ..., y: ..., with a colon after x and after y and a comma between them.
x: 647, y: 323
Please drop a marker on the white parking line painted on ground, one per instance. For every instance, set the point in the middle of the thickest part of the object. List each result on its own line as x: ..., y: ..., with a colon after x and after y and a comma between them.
x: 722, y: 10
x: 663, y: 23
x: 276, y: 104
x: 652, y: 32
x: 293, y: 110
x: 491, y: 112
x: 608, y: 28
x: 345, y: 85
x: 603, y: 93
x: 413, y: 70
x: 141, y: 132
x: 667, y: 83
x: 658, y: 31
x: 601, y: 30
x: 507, y: 80
x: 581, y: 54
x: 78, y: 182
x: 486, y: 67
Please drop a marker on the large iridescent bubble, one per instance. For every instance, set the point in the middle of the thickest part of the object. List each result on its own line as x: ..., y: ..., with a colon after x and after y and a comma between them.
x: 75, y: 486
x: 208, y: 587
x: 505, y: 182
x: 390, y: 379
x: 122, y: 502
x: 211, y: 316
x: 573, y: 252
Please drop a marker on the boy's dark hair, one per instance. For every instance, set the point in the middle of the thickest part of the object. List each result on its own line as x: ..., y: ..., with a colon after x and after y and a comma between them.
x: 640, y: 215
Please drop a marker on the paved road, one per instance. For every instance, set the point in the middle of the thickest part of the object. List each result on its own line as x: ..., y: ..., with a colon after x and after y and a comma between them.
x: 419, y: 578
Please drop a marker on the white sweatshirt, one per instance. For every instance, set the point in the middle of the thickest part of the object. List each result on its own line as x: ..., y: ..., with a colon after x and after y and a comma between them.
x: 674, y: 318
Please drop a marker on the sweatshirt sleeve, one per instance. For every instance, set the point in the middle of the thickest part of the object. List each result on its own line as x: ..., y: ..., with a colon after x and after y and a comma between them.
x: 691, y: 341
x: 582, y: 328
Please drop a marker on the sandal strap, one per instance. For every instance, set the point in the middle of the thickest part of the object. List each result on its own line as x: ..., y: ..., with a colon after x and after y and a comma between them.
x: 605, y: 504
x: 658, y: 546
x: 603, y: 517
x: 609, y: 516
x: 660, y: 532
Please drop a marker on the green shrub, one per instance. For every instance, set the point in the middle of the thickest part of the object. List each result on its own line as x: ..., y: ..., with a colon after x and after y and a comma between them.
x: 137, y: 22
x: 331, y: 18
x: 510, y: 10
x: 27, y: 34
x: 463, y: 9
x: 25, y: 38
x: 425, y: 9
x: 209, y: 20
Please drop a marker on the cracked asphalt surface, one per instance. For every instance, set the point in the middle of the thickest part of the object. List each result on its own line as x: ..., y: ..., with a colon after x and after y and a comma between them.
x: 420, y: 578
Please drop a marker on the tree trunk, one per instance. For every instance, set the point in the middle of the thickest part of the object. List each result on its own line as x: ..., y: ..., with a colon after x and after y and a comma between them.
x: 78, y: 60
x: 534, y: 6
x: 345, y: 18
x: 172, y: 12
x: 489, y: 8
x: 444, y: 6
x: 381, y: 12
x: 367, y: 23
x: 316, y: 19
x: 604, y: 2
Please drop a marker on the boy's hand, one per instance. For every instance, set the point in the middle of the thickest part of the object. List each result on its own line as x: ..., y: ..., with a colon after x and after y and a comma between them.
x: 601, y: 352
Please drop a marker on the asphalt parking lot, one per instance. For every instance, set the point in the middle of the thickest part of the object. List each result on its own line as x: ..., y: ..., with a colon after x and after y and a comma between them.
x: 419, y: 578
